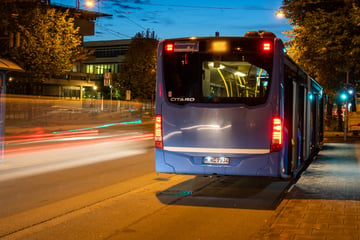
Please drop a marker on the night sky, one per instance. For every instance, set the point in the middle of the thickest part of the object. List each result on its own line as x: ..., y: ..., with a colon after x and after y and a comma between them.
x: 186, y: 18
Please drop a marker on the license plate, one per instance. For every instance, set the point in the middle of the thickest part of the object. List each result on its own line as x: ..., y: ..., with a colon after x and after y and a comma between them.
x: 216, y: 160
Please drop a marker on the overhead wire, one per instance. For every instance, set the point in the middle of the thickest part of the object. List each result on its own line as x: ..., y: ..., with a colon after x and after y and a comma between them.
x: 180, y: 8
x: 211, y: 7
x: 193, y: 8
x: 197, y: 7
x: 134, y: 22
x: 112, y: 31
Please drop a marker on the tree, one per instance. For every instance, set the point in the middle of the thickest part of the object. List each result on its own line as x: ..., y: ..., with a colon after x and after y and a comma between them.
x: 325, y: 39
x: 50, y: 43
x: 138, y: 72
x: 326, y: 42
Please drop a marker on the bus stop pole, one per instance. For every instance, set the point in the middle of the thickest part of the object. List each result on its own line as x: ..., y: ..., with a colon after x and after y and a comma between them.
x: 346, y: 109
x: 346, y: 112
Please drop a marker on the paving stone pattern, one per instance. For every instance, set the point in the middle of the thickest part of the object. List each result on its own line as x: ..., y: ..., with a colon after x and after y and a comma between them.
x: 325, y: 201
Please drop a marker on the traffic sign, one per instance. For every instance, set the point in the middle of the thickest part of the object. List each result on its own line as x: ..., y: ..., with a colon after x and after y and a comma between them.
x: 107, y: 79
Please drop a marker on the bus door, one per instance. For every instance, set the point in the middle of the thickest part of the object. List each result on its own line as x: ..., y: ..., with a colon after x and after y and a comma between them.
x: 316, y: 122
x: 301, y: 123
x: 292, y: 121
x: 307, y: 120
x: 295, y: 127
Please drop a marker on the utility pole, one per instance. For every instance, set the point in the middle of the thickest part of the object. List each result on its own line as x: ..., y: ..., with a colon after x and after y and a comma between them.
x: 346, y: 109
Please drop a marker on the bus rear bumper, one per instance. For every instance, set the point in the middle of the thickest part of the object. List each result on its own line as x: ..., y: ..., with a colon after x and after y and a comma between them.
x: 242, y: 165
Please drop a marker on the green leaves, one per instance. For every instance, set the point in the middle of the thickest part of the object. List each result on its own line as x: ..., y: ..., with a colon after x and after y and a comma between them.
x: 49, y: 44
x: 325, y: 38
x: 138, y: 72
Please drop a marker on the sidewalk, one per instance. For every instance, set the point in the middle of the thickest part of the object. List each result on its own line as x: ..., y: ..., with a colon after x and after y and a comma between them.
x: 324, y: 203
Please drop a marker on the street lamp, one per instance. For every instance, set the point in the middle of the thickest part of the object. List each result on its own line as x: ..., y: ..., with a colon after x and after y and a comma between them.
x: 280, y: 14
x: 88, y: 3
x: 345, y: 97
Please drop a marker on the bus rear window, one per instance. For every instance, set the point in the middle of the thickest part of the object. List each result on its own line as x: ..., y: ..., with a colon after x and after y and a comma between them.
x: 204, y: 78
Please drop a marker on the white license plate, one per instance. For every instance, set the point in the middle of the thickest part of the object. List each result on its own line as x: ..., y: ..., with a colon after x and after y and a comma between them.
x: 216, y: 160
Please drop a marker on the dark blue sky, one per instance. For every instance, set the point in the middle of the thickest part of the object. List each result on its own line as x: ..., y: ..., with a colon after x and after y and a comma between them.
x: 186, y: 18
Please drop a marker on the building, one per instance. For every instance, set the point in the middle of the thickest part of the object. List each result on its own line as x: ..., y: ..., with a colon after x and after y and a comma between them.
x: 107, y: 57
x: 68, y: 85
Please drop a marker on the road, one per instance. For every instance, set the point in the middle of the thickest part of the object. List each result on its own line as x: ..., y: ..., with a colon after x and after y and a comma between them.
x: 104, y: 186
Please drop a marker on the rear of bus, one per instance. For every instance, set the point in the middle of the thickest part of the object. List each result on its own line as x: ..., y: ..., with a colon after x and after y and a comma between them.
x: 218, y: 107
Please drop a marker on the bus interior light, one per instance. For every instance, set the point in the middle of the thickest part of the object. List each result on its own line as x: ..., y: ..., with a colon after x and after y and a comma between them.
x: 219, y: 46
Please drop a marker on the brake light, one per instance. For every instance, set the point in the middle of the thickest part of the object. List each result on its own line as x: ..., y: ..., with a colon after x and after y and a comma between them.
x: 169, y: 47
x: 267, y: 47
x: 276, y: 135
x: 158, y: 132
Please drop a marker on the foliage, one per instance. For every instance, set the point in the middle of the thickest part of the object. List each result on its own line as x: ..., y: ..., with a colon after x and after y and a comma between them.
x: 138, y: 72
x: 325, y: 39
x: 50, y: 43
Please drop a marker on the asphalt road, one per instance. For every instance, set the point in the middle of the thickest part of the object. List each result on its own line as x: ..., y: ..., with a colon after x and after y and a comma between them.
x: 105, y: 187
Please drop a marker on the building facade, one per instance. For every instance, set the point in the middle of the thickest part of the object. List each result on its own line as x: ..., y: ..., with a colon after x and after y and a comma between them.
x: 106, y: 60
x: 107, y: 56
x: 69, y: 85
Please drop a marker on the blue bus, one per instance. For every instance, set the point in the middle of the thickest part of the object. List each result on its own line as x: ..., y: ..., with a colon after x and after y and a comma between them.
x: 234, y: 106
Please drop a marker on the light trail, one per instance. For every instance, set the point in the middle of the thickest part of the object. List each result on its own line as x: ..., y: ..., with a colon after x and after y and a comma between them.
x: 73, y: 133
x: 101, y: 126
x: 62, y: 144
x: 31, y: 160
x: 34, y: 137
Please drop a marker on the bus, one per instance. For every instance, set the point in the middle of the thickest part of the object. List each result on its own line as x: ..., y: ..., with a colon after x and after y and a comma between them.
x: 354, y: 114
x: 234, y: 106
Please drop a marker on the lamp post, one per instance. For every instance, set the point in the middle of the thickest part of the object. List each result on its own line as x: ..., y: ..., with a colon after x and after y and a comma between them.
x: 349, y: 93
x: 344, y: 98
x: 346, y: 119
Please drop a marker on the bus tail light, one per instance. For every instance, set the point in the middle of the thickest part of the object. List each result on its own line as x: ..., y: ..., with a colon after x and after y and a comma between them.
x: 267, y: 46
x: 158, y: 132
x: 169, y: 47
x: 276, y: 135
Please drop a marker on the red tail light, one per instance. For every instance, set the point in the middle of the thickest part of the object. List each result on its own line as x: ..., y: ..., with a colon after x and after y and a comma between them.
x: 276, y: 135
x: 267, y: 46
x: 169, y: 47
x: 158, y: 132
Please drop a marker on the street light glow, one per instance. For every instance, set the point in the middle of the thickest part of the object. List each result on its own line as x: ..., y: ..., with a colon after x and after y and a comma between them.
x: 90, y: 3
x: 280, y: 14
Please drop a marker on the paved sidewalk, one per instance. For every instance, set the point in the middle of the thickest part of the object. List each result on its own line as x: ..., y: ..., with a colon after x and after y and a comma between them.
x: 325, y: 202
